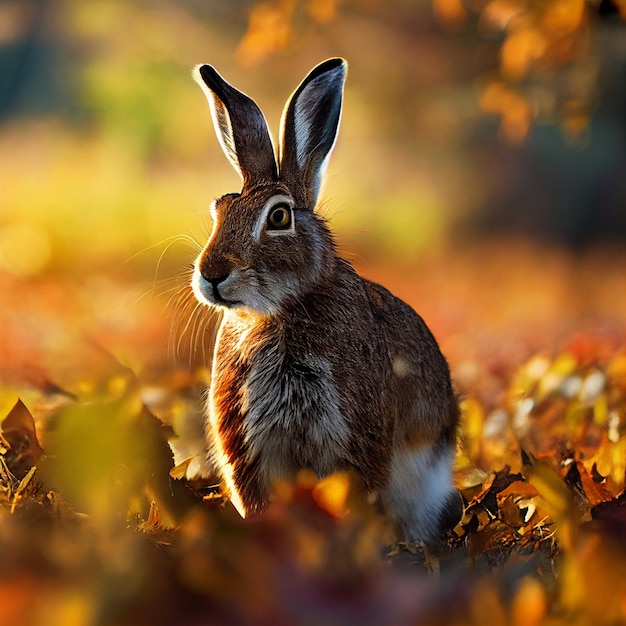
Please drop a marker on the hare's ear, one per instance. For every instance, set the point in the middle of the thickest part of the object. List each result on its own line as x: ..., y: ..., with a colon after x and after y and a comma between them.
x: 240, y: 127
x: 309, y: 129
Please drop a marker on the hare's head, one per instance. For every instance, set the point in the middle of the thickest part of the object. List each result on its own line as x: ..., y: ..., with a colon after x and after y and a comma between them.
x: 267, y: 247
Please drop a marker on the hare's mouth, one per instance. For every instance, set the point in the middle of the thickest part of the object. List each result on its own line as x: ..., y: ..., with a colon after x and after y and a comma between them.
x: 209, y: 294
x: 241, y: 291
x: 219, y: 300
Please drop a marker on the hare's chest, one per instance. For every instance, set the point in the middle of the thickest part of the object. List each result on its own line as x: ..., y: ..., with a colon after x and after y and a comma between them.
x: 292, y: 413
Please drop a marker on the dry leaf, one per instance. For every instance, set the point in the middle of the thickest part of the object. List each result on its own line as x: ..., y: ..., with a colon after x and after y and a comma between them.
x: 19, y: 432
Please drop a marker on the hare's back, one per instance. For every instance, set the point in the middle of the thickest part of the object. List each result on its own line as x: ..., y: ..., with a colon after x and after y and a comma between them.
x: 406, y: 332
x: 420, y: 372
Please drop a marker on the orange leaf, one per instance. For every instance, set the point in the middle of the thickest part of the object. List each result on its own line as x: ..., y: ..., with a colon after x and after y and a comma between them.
x: 519, y: 488
x: 594, y: 492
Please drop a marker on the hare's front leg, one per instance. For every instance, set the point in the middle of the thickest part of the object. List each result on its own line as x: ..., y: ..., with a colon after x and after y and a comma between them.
x: 244, y: 485
x: 420, y: 491
x: 249, y: 493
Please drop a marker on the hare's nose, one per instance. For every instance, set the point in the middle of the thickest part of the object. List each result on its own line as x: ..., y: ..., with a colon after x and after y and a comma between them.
x: 216, y: 282
x: 215, y: 269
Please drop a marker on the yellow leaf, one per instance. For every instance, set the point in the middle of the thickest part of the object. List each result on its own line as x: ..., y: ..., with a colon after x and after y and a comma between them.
x: 331, y: 494
x: 556, y: 500
x: 617, y: 367
x: 269, y: 30
x: 520, y: 51
x: 563, y: 16
x: 180, y: 471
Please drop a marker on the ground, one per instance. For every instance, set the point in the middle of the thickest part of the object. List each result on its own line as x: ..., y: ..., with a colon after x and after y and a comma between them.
x: 100, y: 522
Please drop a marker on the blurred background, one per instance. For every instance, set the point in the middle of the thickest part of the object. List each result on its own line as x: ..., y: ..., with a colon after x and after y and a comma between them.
x: 480, y: 171
x: 480, y: 174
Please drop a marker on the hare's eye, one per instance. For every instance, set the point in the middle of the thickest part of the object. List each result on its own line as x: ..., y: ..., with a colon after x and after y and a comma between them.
x: 279, y: 218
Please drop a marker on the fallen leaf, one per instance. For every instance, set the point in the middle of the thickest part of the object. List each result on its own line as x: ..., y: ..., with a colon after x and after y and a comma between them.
x: 19, y: 432
x: 594, y: 491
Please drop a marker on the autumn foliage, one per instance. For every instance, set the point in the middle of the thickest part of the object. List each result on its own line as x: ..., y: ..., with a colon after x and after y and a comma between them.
x: 101, y: 522
x: 108, y: 513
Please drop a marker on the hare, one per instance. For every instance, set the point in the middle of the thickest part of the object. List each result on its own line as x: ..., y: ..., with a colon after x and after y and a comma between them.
x: 314, y: 367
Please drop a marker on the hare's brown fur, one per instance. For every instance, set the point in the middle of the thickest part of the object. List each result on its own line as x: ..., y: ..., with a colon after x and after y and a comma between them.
x: 314, y: 367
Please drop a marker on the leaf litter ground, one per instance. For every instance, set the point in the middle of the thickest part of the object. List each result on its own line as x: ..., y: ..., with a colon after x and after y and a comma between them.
x: 103, y: 522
